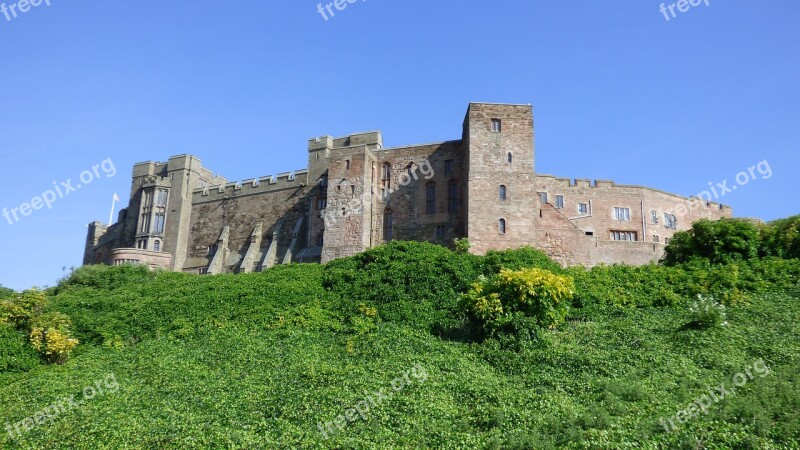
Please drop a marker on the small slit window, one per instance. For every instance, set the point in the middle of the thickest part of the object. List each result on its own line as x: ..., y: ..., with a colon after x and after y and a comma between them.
x: 501, y: 226
x: 502, y: 192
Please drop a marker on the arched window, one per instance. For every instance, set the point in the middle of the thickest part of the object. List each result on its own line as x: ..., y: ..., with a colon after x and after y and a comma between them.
x: 501, y: 226
x: 157, y: 246
x: 510, y: 158
x: 502, y: 192
x: 430, y: 198
x: 388, y: 218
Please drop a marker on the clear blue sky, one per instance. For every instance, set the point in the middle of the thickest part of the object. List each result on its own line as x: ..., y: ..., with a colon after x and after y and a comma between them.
x: 618, y: 91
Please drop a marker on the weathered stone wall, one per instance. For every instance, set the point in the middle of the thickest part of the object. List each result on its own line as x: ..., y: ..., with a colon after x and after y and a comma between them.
x: 601, y: 198
x: 336, y: 208
x: 346, y: 220
x: 241, y: 207
x: 489, y: 169
x: 413, y: 168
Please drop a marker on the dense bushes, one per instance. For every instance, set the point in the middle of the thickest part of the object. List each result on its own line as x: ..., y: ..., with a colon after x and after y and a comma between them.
x: 781, y: 238
x: 99, y: 277
x: 654, y: 285
x: 5, y: 292
x: 720, y: 241
x: 421, y: 284
x: 260, y: 359
x: 48, y: 331
x: 730, y: 240
x: 408, y: 282
x: 16, y: 354
x: 185, y: 305
x: 539, y: 294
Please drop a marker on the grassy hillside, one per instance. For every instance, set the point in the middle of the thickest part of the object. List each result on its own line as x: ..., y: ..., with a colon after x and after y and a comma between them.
x: 382, y: 341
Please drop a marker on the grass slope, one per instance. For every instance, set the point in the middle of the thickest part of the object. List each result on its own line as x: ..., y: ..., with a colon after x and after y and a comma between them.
x: 260, y: 360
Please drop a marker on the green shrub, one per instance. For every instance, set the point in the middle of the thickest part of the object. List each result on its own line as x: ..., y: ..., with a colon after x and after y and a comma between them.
x: 16, y: 354
x: 414, y: 283
x: 706, y: 312
x: 781, y: 238
x: 19, y: 309
x: 5, y: 292
x: 520, y: 258
x: 718, y: 241
x: 536, y: 293
x: 624, y: 286
x: 461, y: 245
x: 103, y: 277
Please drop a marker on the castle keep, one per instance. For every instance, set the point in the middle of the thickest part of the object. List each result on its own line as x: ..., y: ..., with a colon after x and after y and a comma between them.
x: 356, y: 194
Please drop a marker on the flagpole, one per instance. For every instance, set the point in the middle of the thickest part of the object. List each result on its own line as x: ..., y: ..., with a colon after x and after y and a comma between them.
x: 111, y: 216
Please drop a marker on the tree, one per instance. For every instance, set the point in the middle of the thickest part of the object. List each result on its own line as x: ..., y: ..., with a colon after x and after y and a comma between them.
x: 781, y: 238
x: 719, y: 242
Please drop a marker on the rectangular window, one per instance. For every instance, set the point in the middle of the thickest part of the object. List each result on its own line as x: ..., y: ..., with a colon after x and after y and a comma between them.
x: 322, y: 203
x: 559, y: 201
x: 543, y: 197
x: 388, y: 226
x: 452, y: 197
x: 347, y: 164
x: 656, y: 239
x: 162, y: 198
x: 386, y: 173
x: 159, y: 224
x: 623, y: 235
x: 654, y: 217
x: 430, y: 199
x: 583, y: 208
x: 440, y: 231
x: 448, y: 166
x: 496, y: 125
x: 670, y: 221
x: 623, y: 214
x: 145, y: 224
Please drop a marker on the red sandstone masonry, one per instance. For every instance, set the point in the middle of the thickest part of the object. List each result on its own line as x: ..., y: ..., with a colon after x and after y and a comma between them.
x: 279, y: 219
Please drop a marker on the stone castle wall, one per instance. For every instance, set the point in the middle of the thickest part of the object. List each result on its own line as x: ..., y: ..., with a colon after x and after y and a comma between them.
x: 356, y: 194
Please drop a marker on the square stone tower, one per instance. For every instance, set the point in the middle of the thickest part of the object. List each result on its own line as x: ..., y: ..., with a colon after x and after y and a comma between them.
x: 501, y: 195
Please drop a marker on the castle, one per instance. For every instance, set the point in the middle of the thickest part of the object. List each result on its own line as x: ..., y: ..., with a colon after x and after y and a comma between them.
x: 356, y: 194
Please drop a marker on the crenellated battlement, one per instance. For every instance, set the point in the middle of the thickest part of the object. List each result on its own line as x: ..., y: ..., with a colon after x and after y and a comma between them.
x: 252, y: 186
x: 554, y: 182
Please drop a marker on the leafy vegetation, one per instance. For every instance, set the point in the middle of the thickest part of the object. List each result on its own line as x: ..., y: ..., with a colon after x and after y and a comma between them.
x: 705, y: 312
x: 728, y: 240
x: 582, y: 358
x: 514, y: 295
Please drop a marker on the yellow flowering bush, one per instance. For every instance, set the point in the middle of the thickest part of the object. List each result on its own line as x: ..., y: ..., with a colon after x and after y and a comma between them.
x: 51, y: 338
x: 535, y: 293
x: 19, y: 309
